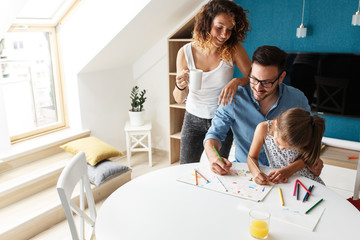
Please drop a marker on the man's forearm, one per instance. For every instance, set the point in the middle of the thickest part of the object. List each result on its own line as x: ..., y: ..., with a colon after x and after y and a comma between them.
x: 209, y: 149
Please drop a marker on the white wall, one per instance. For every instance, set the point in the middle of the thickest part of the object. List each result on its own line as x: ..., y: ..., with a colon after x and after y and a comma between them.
x: 98, y: 87
x: 150, y: 73
x: 104, y: 101
x: 8, y: 11
x: 83, y: 35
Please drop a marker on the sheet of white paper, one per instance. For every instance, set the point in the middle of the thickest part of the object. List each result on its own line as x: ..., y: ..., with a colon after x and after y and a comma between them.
x: 293, y: 211
x: 238, y: 183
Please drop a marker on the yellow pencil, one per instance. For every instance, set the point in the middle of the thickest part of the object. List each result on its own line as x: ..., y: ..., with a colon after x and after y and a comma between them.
x: 252, y: 160
x: 281, y: 197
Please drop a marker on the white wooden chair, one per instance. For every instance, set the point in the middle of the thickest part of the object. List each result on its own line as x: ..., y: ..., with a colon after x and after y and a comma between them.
x: 355, y: 199
x: 76, y: 172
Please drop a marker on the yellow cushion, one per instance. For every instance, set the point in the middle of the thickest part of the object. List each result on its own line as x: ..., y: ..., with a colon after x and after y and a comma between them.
x: 94, y: 149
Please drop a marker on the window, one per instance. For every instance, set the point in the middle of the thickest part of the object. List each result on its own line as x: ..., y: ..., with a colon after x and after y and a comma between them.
x: 31, y: 82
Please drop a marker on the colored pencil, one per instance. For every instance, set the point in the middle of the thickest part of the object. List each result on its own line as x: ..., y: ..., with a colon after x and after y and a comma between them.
x: 295, y: 187
x: 281, y: 197
x: 218, y: 154
x: 353, y: 157
x: 202, y: 175
x: 196, y: 180
x: 313, y: 206
x: 222, y: 184
x: 307, y: 197
x: 252, y: 160
x: 297, y: 191
x: 307, y: 194
x: 303, y: 186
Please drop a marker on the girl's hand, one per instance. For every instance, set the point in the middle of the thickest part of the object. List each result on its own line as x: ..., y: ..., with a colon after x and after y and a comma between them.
x: 279, y: 176
x: 261, y: 178
x: 182, y: 79
x: 228, y: 92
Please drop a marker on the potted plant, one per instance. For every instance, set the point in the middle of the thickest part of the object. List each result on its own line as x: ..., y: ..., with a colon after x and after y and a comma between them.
x: 137, y: 111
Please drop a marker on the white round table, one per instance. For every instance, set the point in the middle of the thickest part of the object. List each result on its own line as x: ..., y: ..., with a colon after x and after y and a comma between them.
x: 157, y: 206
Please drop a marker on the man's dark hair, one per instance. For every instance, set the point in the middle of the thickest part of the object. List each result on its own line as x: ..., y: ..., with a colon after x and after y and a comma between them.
x: 270, y: 56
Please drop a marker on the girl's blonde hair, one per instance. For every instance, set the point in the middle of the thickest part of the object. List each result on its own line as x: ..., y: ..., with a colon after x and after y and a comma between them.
x: 204, y: 19
x: 303, y: 132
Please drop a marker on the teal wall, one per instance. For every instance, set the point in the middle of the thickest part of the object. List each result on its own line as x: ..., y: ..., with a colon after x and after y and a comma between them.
x: 329, y: 29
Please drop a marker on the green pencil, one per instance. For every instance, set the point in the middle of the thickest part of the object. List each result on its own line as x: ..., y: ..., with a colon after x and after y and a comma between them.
x: 313, y: 206
x: 218, y: 154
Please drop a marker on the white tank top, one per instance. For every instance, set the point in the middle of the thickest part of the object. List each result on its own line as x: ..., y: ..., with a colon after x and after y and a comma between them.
x: 203, y: 103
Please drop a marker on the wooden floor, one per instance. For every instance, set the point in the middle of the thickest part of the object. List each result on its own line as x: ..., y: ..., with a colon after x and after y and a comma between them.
x: 139, y: 165
x: 340, y: 180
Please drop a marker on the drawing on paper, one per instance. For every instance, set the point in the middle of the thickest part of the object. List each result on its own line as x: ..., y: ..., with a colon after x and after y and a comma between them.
x: 238, y: 183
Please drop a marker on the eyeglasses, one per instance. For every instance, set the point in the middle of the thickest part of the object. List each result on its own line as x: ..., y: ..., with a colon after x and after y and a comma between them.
x: 264, y: 83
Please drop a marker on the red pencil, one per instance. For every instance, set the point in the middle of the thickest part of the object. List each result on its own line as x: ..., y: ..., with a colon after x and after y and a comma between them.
x: 295, y: 187
x: 303, y: 186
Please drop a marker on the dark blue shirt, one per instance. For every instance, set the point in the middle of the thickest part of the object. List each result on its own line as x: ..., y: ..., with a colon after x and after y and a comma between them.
x: 243, y: 115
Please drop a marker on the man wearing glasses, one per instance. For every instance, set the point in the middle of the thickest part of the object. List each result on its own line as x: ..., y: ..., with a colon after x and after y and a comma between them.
x: 263, y: 99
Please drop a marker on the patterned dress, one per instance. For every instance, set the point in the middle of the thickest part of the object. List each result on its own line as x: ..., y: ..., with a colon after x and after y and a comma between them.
x: 281, y: 158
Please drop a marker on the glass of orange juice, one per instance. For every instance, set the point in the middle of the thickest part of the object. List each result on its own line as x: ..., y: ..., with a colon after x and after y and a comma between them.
x: 259, y: 223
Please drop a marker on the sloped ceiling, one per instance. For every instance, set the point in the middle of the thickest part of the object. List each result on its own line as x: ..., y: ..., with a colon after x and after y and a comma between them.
x: 153, y: 23
x: 8, y: 11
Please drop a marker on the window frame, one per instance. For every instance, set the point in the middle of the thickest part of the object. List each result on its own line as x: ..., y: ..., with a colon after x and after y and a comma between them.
x: 62, y: 122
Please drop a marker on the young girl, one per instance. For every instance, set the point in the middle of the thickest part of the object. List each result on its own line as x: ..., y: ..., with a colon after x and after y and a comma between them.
x: 294, y: 136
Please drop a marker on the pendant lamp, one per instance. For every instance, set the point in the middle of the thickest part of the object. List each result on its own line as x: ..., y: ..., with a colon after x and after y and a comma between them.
x: 301, y: 31
x: 356, y: 17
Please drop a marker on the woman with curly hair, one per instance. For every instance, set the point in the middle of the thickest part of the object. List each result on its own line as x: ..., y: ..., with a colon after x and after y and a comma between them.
x: 220, y: 27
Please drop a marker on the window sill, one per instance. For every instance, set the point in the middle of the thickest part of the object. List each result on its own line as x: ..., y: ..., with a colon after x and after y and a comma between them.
x: 351, y: 145
x: 40, y: 143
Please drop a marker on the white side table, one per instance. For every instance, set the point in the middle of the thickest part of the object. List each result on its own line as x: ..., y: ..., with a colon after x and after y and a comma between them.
x: 135, y: 140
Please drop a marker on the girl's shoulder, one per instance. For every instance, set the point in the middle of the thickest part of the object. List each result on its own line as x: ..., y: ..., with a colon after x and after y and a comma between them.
x: 262, y: 127
x: 266, y: 127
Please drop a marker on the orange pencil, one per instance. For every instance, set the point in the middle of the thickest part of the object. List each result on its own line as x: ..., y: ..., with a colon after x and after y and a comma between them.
x: 201, y: 175
x: 196, y: 180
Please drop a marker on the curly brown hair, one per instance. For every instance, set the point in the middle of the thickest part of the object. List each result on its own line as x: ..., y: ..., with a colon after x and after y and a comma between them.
x: 205, y: 17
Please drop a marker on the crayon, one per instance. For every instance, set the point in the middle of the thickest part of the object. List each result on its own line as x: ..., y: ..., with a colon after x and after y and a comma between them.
x: 281, y: 197
x: 313, y: 206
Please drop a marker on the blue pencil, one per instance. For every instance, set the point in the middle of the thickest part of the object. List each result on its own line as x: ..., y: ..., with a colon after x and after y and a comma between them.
x: 307, y: 194
x: 312, y: 187
x: 297, y: 191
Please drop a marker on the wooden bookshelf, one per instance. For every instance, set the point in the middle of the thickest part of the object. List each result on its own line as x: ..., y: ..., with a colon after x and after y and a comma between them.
x: 177, y: 111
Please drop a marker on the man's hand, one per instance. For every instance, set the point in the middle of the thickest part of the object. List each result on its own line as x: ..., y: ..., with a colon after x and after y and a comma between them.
x: 220, y: 167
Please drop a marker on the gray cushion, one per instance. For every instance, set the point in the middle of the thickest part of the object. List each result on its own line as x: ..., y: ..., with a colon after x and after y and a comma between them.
x: 104, y: 171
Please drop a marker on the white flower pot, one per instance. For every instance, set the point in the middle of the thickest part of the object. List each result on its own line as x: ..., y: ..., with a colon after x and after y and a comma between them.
x: 137, y: 118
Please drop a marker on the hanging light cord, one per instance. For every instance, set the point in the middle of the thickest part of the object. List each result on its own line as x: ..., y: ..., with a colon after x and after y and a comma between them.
x: 359, y: 6
x: 302, y: 18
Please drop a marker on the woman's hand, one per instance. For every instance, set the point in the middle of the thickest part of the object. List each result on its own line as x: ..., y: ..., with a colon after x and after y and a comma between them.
x: 228, y: 92
x: 279, y: 175
x: 182, y: 79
